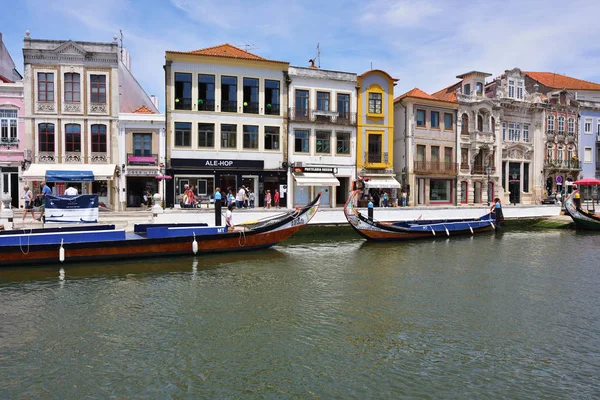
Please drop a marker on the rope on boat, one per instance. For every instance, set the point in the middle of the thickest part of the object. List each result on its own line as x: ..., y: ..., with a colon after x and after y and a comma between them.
x: 242, y: 233
x: 28, y: 239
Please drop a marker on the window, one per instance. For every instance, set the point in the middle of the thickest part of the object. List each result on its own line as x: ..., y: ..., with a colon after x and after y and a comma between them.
x: 45, y: 86
x: 72, y: 87
x: 520, y: 90
x: 448, y: 121
x: 526, y: 177
x: 448, y: 156
x: 323, y: 142
x: 440, y: 190
x: 301, y: 103
x: 46, y: 137
x: 183, y: 134
x: 464, y: 129
x: 504, y: 131
x: 73, y: 138
x: 228, y: 136
x: 301, y: 141
x: 142, y: 144
x: 251, y: 95
x: 322, y: 101
x: 98, y: 89
x: 343, y: 142
x: 467, y: 89
x: 551, y: 123
x: 421, y: 118
x: 271, y: 138
x: 374, y: 146
x: 550, y: 152
x: 435, y: 154
x: 587, y: 126
x: 511, y: 88
x: 250, y: 140
x: 569, y: 153
x: 514, y: 132
x: 229, y: 93
x: 183, y: 91
x: 464, y: 198
x: 98, y: 138
x: 560, y: 153
x: 435, y: 119
x: 375, y: 103
x: 480, y: 123
x: 571, y: 127
x: 271, y: 97
x: 464, y: 157
x: 587, y: 155
x: 479, y: 88
x: 561, y: 125
x: 8, y: 125
x: 526, y: 132
x: 420, y: 153
x: 343, y: 106
x: 206, y: 135
x: 206, y: 92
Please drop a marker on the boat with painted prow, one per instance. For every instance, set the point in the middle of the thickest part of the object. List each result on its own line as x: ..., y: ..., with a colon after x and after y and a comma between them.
x: 584, y: 219
x: 372, y: 229
x: 38, y: 247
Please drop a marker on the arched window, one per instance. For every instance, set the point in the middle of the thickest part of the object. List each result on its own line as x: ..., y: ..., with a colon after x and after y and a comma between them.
x: 560, y: 153
x: 480, y: 123
x: 550, y: 123
x: 550, y: 153
x: 46, y: 137
x: 465, y: 124
x: 561, y: 125
x: 73, y: 138
x: 99, y: 138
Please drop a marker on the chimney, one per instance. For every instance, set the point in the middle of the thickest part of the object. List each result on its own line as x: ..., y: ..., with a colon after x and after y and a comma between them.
x: 154, y: 100
x: 536, y: 87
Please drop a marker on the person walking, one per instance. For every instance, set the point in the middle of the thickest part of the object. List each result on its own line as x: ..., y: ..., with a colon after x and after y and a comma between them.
x: 385, y: 199
x: 239, y: 200
x: 229, y: 218
x: 404, y: 198
x: 268, y: 199
x: 252, y: 198
x: 217, y: 195
x: 45, y: 192
x: 28, y: 196
x: 496, y: 211
x: 230, y: 198
x: 276, y: 198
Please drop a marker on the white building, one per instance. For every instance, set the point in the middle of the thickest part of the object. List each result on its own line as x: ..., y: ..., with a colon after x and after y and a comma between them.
x: 225, y: 122
x: 322, y: 135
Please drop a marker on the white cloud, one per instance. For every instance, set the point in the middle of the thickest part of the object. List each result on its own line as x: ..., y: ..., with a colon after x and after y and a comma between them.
x: 399, y: 13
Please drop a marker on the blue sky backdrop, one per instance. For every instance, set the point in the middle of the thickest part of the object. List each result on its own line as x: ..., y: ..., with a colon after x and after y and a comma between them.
x: 424, y: 43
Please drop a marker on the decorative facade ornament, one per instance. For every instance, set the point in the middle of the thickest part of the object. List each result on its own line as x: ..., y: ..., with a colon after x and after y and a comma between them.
x: 72, y: 157
x: 46, y: 106
x: 47, y: 158
x: 98, y: 108
x: 99, y: 158
x: 72, y: 107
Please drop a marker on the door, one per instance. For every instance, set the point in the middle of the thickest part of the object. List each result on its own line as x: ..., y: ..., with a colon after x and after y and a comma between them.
x: 341, y: 192
x: 514, y: 182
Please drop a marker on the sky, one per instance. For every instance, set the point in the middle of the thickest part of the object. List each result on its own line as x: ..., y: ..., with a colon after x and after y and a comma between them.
x: 423, y: 43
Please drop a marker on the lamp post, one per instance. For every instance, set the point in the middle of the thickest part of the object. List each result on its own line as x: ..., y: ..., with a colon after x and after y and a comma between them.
x: 488, y: 170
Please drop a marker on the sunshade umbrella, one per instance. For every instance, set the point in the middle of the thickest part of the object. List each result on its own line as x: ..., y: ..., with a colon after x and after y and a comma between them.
x: 587, y: 182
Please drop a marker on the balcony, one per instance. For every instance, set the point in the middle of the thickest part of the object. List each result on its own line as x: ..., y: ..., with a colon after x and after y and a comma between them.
x: 206, y: 105
x: 481, y: 170
x: 72, y: 157
x: 250, y: 107
x: 570, y: 139
x: 560, y: 137
x: 46, y: 157
x: 562, y: 164
x: 272, y: 109
x: 550, y: 135
x: 437, y: 168
x: 143, y: 160
x: 9, y: 142
x: 482, y: 137
x: 464, y: 167
x: 98, y: 157
x: 183, y: 103
x: 228, y: 106
x: 322, y: 116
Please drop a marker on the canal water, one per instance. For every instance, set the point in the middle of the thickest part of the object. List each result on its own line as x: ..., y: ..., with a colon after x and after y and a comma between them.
x: 507, y: 315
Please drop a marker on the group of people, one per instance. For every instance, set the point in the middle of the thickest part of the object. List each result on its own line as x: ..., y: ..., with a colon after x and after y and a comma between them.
x: 31, y: 201
x: 189, y: 199
x: 246, y: 198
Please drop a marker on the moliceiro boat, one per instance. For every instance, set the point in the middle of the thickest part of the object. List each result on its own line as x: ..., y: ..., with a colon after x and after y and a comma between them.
x: 372, y: 229
x: 38, y: 247
x: 584, y: 219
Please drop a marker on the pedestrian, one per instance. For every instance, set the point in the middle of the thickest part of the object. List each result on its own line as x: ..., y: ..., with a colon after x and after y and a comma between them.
x: 28, y: 196
x: 252, y: 198
x: 239, y: 200
x: 217, y: 195
x: 230, y: 198
x: 496, y: 211
x: 229, y: 218
x: 148, y: 197
x: 577, y: 199
x: 404, y: 198
x: 276, y: 198
x: 191, y: 197
x: 185, y: 201
x: 385, y: 199
x: 268, y: 199
x: 45, y: 192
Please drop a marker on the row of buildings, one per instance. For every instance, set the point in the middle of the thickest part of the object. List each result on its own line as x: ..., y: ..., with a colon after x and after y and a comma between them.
x: 79, y: 117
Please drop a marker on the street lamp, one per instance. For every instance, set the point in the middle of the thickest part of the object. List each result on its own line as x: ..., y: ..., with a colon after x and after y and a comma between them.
x: 488, y: 170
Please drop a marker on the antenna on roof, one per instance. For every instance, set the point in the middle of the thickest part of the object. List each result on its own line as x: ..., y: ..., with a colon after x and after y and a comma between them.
x: 318, y: 55
x: 121, y: 32
x: 371, y: 65
x: 248, y: 46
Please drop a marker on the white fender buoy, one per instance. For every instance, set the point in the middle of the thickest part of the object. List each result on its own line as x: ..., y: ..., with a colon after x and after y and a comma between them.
x: 195, y: 244
x: 447, y: 233
x: 61, y: 252
x: 471, y: 229
x: 432, y: 231
x: 493, y: 226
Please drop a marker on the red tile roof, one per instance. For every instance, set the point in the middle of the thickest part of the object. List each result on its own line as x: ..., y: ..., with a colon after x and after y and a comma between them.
x: 227, y: 51
x: 416, y: 93
x: 143, y: 110
x: 558, y: 81
x: 447, y: 94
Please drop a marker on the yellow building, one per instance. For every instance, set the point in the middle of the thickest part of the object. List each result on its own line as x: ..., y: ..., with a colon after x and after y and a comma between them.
x: 375, y: 133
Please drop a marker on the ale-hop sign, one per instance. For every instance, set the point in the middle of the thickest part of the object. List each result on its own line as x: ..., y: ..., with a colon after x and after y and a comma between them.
x: 216, y: 163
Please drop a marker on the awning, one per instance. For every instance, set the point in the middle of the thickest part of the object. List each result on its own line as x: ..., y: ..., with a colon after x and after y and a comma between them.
x: 381, y: 182
x: 70, y: 172
x: 316, y: 179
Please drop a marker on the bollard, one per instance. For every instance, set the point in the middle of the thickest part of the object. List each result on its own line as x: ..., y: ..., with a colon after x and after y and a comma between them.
x: 370, y: 206
x: 218, y: 212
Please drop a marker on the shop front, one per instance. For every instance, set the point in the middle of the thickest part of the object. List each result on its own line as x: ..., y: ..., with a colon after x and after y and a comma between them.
x: 308, y: 181
x: 435, y: 191
x: 138, y: 181
x: 207, y: 174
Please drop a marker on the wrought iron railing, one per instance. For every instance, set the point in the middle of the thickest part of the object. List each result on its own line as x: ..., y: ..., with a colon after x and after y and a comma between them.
x: 272, y: 109
x: 229, y: 105
x: 322, y: 116
x: 435, y: 167
x: 482, y: 170
x: 184, y: 103
x: 206, y: 105
x: 562, y: 164
x: 251, y: 107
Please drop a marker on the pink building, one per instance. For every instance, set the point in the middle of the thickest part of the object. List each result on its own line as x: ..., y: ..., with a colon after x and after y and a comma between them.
x: 12, y: 127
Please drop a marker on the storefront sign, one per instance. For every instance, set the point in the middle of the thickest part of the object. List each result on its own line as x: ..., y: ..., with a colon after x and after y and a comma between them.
x: 141, y: 172
x: 327, y: 170
x: 141, y: 160
x: 216, y: 163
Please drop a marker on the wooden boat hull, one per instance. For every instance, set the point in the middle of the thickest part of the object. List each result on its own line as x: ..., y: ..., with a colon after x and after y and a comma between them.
x: 400, y: 231
x: 259, y: 235
x: 582, y: 219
